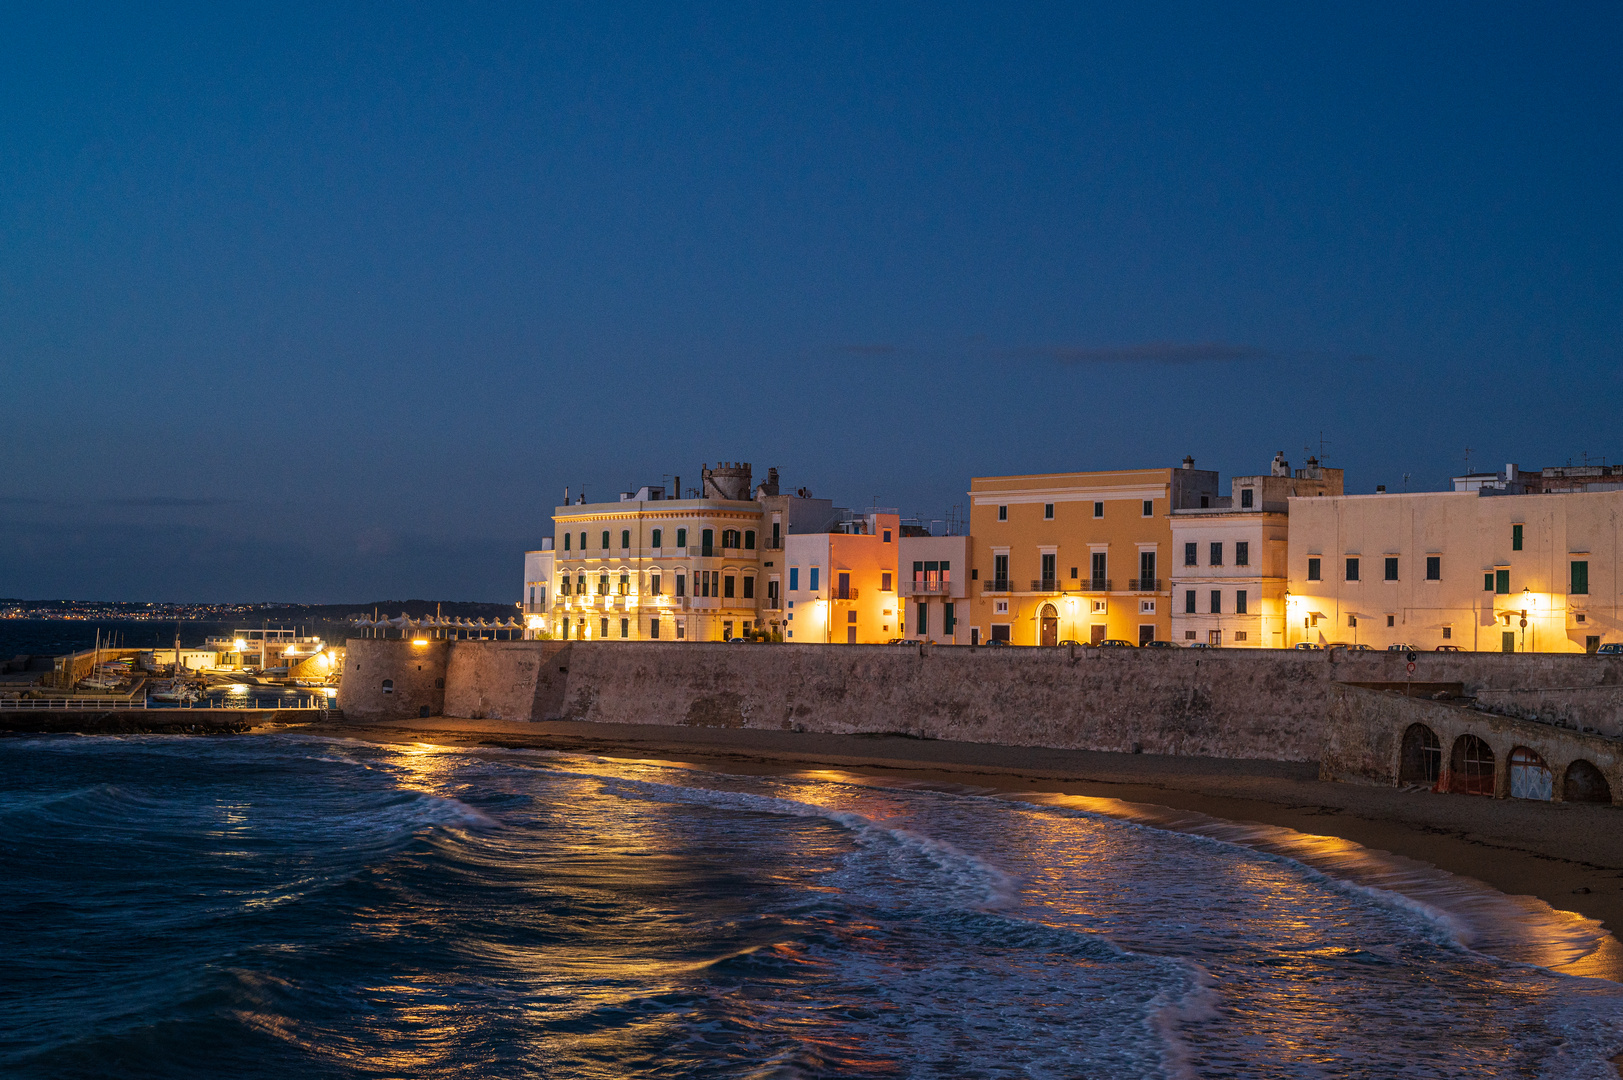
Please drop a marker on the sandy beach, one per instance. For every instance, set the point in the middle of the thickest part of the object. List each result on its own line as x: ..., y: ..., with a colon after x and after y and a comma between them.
x: 1568, y: 855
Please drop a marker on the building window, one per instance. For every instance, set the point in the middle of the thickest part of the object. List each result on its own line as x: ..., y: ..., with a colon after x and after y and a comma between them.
x: 1048, y: 571
x: 811, y: 574
x: 681, y: 629
x: 1189, y: 635
x: 388, y: 686
x: 1391, y: 568
x: 532, y: 596
x: 1242, y: 553
x: 1003, y: 513
x: 1580, y: 578
x: 1000, y: 573
x: 728, y: 585
x: 1391, y: 620
x: 1098, y: 509
x: 1247, y: 497
x: 1434, y: 568
x: 583, y: 542
x: 1217, y: 554
x: 1149, y: 507
x: 1189, y: 602
x: 681, y: 586
x: 1048, y: 511
x: 1487, y: 581
x: 603, y: 585
x: 625, y: 539
x: 625, y: 628
x: 729, y: 538
x: 886, y: 538
x: 1352, y: 569
x: 681, y: 539
x: 1352, y: 622
x: 794, y: 579
x: 1098, y: 575
x: 625, y: 583
x: 707, y: 542
x: 1239, y: 635
x: 1515, y: 538
x: 653, y: 628
x: 1189, y: 550
x: 605, y: 634
x: 1240, y: 602
x: 566, y: 541
x: 605, y: 539
x: 884, y: 583
x: 653, y: 584
x: 1313, y: 570
x: 659, y: 538
x: 1146, y: 572
x: 749, y: 586
x: 749, y: 539
x: 1501, y: 582
x: 1217, y: 601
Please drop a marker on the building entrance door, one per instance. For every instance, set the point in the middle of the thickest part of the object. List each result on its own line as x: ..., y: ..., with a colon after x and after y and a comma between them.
x: 1049, y: 619
x: 1507, y: 641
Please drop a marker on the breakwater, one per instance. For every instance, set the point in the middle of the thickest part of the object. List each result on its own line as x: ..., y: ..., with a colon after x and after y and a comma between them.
x: 1274, y: 705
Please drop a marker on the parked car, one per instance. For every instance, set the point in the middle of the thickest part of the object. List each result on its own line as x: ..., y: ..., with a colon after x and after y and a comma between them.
x: 1070, y: 641
x: 1611, y: 648
x: 1354, y: 648
x: 1402, y: 648
x: 1116, y: 643
x: 1309, y: 645
x: 1203, y: 645
x: 1448, y: 648
x: 1160, y: 645
x: 999, y: 642
x: 905, y: 641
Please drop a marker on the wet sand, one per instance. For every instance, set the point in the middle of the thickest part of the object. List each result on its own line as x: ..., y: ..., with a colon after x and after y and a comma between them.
x: 1568, y: 855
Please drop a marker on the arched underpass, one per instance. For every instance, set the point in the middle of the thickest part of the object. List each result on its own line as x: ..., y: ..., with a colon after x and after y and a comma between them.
x: 1471, y: 767
x: 1585, y: 783
x: 1422, y: 761
x: 1529, y: 776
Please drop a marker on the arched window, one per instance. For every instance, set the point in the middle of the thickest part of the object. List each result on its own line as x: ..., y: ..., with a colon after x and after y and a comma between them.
x: 388, y: 686
x: 603, y: 584
x: 659, y: 538
x: 1585, y: 783
x: 749, y: 539
x: 1529, y: 776
x: 1472, y: 766
x: 729, y: 538
x: 625, y: 583
x: 1422, y: 760
x: 566, y: 541
x: 625, y: 539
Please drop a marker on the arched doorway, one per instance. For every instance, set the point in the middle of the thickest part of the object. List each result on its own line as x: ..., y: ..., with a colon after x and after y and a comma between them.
x: 1048, y: 619
x: 1585, y: 783
x: 1471, y: 767
x: 1422, y: 761
x: 1529, y: 776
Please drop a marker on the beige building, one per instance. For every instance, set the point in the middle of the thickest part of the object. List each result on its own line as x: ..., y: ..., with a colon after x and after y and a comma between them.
x: 935, y: 588
x: 841, y: 585
x: 1077, y: 556
x: 536, y: 599
x: 1230, y: 565
x: 1473, y: 569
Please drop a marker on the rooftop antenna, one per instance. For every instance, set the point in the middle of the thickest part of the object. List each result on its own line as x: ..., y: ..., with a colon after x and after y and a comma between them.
x: 1468, y: 459
x: 1405, y: 481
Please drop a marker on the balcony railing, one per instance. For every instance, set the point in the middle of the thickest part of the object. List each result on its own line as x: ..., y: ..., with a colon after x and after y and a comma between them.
x: 926, y: 586
x: 995, y: 585
x: 837, y: 593
x: 1098, y: 584
x: 1046, y: 584
x: 1144, y: 584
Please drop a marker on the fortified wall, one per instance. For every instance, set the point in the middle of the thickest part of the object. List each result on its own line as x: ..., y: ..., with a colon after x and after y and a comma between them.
x: 1236, y: 703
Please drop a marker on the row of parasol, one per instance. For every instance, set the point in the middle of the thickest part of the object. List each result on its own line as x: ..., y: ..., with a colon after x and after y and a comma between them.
x: 438, y: 626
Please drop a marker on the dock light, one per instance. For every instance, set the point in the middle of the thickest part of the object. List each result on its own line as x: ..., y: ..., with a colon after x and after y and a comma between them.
x: 419, y: 641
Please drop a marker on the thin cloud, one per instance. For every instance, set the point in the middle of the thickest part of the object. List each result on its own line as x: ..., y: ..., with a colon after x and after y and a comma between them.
x: 163, y: 502
x: 1158, y: 352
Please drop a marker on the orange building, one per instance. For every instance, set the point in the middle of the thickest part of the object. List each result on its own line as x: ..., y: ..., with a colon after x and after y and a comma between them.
x: 1080, y: 556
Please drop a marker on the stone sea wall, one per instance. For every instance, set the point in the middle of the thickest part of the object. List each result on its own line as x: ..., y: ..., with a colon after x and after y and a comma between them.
x: 1219, y: 703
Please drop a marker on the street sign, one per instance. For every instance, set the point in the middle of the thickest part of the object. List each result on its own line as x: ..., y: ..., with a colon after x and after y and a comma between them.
x: 1411, y: 666
x: 1411, y: 660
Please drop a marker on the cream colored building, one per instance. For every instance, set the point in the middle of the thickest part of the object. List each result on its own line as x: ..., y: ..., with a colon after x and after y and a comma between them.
x: 1456, y: 568
x: 1230, y: 561
x: 842, y: 586
x: 536, y: 599
x: 935, y: 588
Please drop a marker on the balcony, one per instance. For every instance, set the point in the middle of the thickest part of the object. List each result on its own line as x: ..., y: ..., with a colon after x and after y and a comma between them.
x: 926, y: 587
x: 996, y: 585
x: 1046, y: 584
x: 837, y: 593
x: 1098, y: 584
x: 1144, y: 584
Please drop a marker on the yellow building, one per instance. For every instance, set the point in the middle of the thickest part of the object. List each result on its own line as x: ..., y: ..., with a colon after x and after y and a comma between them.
x: 1078, y: 556
x: 1472, y: 569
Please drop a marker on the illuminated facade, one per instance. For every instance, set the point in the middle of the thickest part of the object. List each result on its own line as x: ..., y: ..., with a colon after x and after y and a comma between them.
x: 1464, y: 568
x: 935, y: 588
x: 1077, y: 556
x: 1229, y: 560
x: 536, y: 604
x: 840, y: 587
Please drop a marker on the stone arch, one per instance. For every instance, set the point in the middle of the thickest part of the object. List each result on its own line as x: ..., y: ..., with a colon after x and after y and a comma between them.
x: 1471, y: 767
x: 1585, y: 783
x: 1530, y: 777
x: 1422, y: 757
x: 1048, y: 625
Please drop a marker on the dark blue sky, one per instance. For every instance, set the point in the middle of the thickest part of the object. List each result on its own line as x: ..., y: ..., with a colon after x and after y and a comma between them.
x: 317, y: 304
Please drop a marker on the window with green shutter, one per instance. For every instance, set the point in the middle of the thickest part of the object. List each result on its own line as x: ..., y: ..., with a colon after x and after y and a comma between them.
x: 1580, y: 577
x: 1515, y: 538
x: 1501, y: 582
x: 1487, y: 581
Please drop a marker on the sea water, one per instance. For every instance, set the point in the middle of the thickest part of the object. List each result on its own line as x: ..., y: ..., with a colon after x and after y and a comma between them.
x: 288, y: 906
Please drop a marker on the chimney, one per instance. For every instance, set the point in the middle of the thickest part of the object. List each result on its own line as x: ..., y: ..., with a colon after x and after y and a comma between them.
x: 1380, y: 489
x: 1189, y: 461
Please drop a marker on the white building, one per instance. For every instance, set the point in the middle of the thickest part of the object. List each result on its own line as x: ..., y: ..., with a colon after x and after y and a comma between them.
x: 841, y: 585
x: 1230, y: 569
x: 536, y: 600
